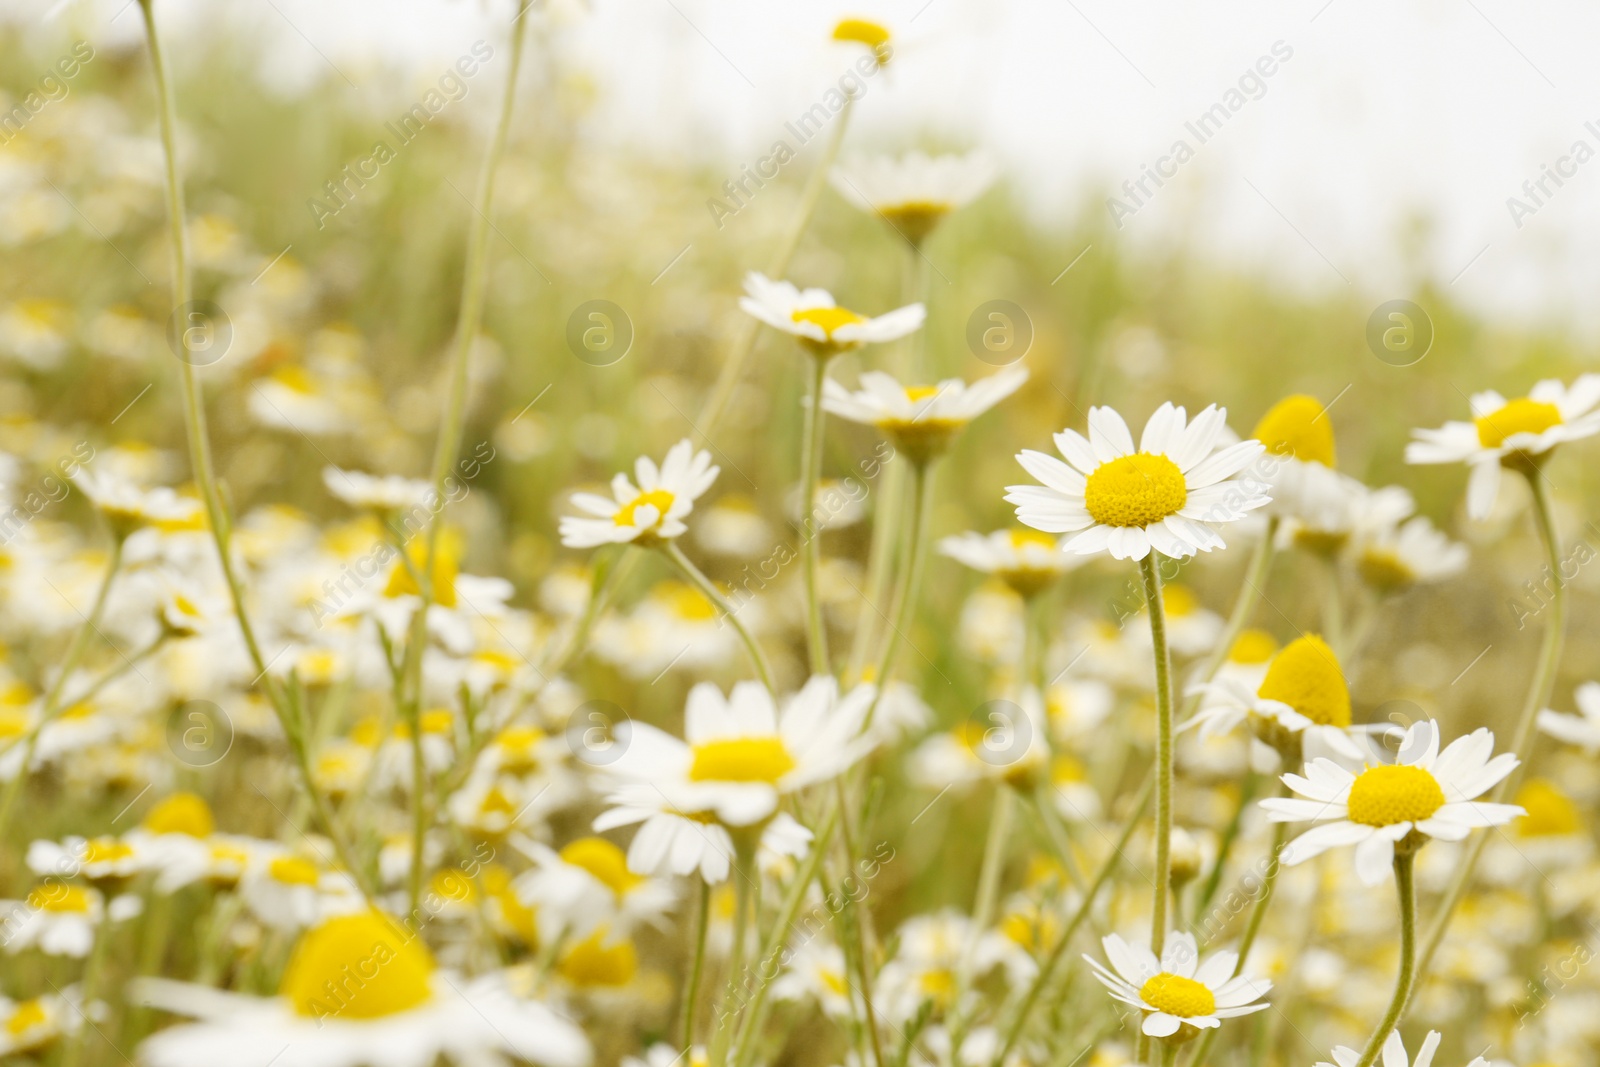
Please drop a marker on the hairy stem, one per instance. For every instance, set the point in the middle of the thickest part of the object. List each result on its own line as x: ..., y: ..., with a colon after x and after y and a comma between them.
x: 1164, y: 778
x: 698, y: 579
x: 1406, y: 889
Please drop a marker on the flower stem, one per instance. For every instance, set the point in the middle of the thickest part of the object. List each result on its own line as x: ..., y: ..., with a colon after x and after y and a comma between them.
x: 698, y: 579
x: 72, y: 1054
x: 1539, y: 688
x: 811, y: 546
x: 691, y: 992
x: 983, y: 906
x: 906, y: 588
x: 1158, y: 639
x: 1406, y: 888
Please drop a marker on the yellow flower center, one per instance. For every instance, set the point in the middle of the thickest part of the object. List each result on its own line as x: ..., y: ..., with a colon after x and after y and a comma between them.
x: 939, y: 985
x: 605, y: 861
x: 915, y: 393
x: 1295, y: 426
x: 181, y: 813
x: 1253, y: 646
x: 1517, y: 416
x: 1384, y: 570
x: 1176, y: 995
x: 59, y: 898
x: 741, y: 759
x: 659, y: 499
x: 1135, y: 490
x: 13, y: 723
x: 1179, y: 601
x: 362, y: 966
x: 874, y: 35
x: 292, y: 870
x: 446, y: 565
x: 1387, y: 794
x: 591, y: 962
x: 105, y: 850
x: 829, y: 319
x: 1551, y: 813
x: 916, y: 218
x: 1021, y: 539
x: 1306, y: 676
x: 26, y: 1016
x: 688, y: 602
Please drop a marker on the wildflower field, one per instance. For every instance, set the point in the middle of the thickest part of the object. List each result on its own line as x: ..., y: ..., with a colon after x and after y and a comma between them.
x: 476, y: 594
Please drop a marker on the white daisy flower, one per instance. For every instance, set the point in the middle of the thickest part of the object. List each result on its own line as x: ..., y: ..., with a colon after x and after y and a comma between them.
x: 1392, y: 558
x: 587, y: 886
x: 1394, y: 1054
x: 1299, y: 436
x: 1165, y: 495
x: 1582, y: 729
x: 1424, y: 793
x: 919, y: 419
x: 59, y: 918
x: 1302, y: 698
x: 914, y: 192
x: 741, y: 752
x: 359, y: 991
x: 817, y: 322
x: 1182, y: 989
x: 646, y: 513
x: 1024, y: 559
x: 127, y: 507
x: 933, y: 949
x: 1510, y: 433
x: 817, y: 971
x: 383, y: 493
x: 30, y: 1025
x: 668, y: 842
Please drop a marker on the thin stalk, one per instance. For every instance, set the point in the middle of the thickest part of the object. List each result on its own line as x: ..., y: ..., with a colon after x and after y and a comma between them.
x: 72, y: 1053
x: 1101, y: 878
x: 983, y: 906
x: 1056, y: 834
x: 1164, y: 778
x: 1406, y: 889
x: 777, y: 267
x: 52, y: 701
x: 856, y: 920
x: 745, y: 874
x: 691, y: 993
x: 811, y: 544
x: 905, y: 594
x: 698, y: 579
x: 1333, y: 609
x: 1539, y: 689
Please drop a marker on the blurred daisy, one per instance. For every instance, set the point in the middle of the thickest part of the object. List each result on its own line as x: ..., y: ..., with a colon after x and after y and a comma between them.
x: 588, y: 886
x: 1424, y: 793
x: 1302, y: 701
x: 1394, y: 1054
x: 932, y: 950
x: 817, y: 322
x: 1164, y: 495
x: 59, y: 918
x: 1517, y: 433
x: 741, y: 752
x: 817, y: 971
x: 919, y: 419
x: 669, y: 842
x: 1582, y: 729
x: 384, y: 493
x: 1182, y: 989
x: 127, y: 507
x: 864, y: 31
x: 913, y: 193
x: 1393, y: 558
x: 1026, y: 560
x: 733, y: 526
x: 646, y: 513
x: 359, y: 991
x: 30, y: 1025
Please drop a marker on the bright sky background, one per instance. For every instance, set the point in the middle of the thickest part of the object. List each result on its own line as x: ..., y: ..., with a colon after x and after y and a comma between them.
x: 1385, y: 111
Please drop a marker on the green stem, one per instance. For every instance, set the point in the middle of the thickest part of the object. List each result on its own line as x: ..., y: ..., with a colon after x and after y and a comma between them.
x: 713, y: 594
x: 1101, y: 878
x: 1539, y: 689
x: 856, y: 921
x: 1164, y: 778
x: 1333, y: 610
x: 745, y: 874
x: 691, y: 993
x: 905, y: 597
x: 72, y: 1053
x: 983, y: 907
x: 811, y: 543
x: 1406, y: 888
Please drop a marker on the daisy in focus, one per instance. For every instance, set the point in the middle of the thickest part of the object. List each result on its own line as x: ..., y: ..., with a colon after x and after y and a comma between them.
x: 1395, y: 806
x: 1299, y: 437
x: 646, y: 513
x: 1164, y: 495
x: 913, y: 193
x: 919, y: 419
x: 1516, y: 433
x: 1182, y: 993
x: 813, y: 318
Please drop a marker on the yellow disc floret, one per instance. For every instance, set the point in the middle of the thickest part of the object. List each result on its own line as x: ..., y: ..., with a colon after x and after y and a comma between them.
x: 741, y: 759
x: 1179, y: 996
x: 181, y: 813
x: 1295, y: 426
x: 60, y: 898
x: 1517, y: 416
x: 659, y: 499
x: 592, y: 962
x: 872, y: 34
x: 1551, y: 813
x: 1252, y: 646
x: 1135, y: 490
x: 1389, y: 794
x: 828, y: 319
x: 1306, y: 676
x: 361, y: 966
x: 605, y: 861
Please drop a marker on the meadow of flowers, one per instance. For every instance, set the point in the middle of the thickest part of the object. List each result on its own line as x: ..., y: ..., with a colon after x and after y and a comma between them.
x: 476, y: 596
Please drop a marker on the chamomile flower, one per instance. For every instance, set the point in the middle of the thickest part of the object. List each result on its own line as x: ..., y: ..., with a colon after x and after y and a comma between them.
x: 1298, y: 437
x: 1390, y: 559
x: 1424, y: 793
x: 1026, y: 560
x: 669, y: 842
x: 919, y: 419
x: 820, y: 324
x: 30, y: 1025
x: 1181, y: 993
x: 359, y: 991
x: 60, y: 918
x: 742, y: 752
x: 127, y: 507
x: 380, y: 493
x: 649, y: 512
x: 1165, y: 495
x: 588, y: 886
x: 1394, y: 1054
x: 1518, y: 433
x: 913, y: 193
x: 1582, y: 729
x: 1302, y: 701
